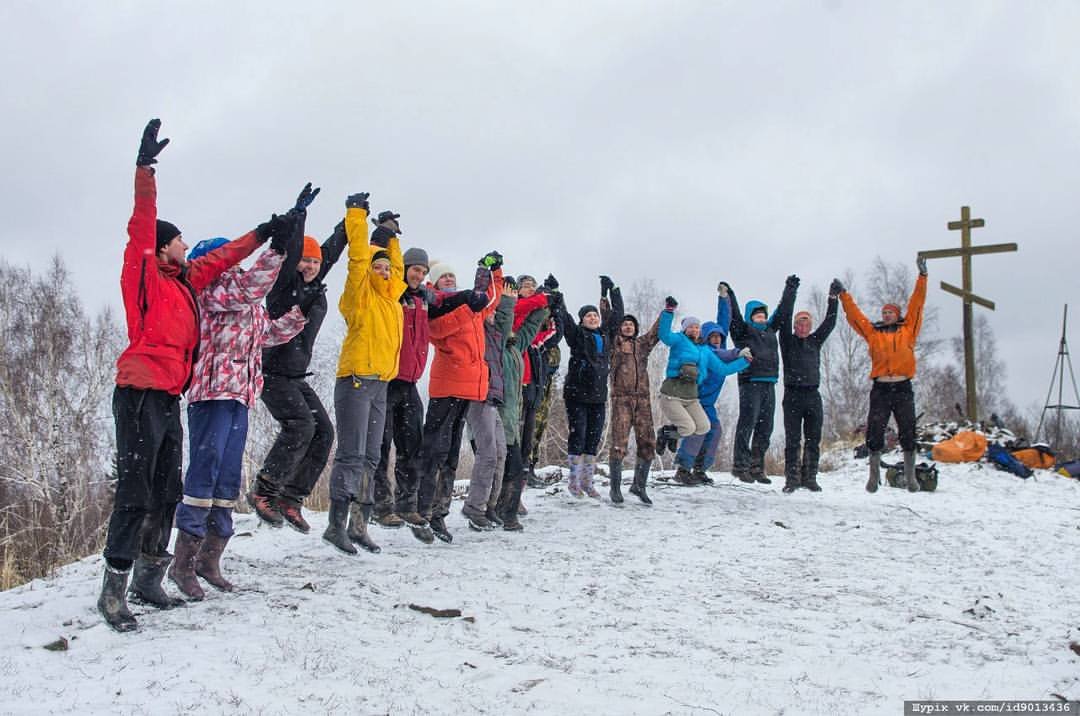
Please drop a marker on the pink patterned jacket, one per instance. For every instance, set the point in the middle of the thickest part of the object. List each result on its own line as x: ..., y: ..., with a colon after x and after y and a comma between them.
x: 233, y: 328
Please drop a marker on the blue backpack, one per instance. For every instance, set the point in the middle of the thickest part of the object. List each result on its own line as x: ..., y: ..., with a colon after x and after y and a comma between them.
x: 1002, y: 459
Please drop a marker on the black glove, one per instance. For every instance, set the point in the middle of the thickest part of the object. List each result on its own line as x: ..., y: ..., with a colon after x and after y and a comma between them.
x: 269, y: 228
x: 491, y: 260
x: 670, y: 304
x: 722, y: 288
x: 150, y: 146
x: 836, y: 288
x: 381, y: 236
x: 920, y: 261
x: 281, y: 233
x: 357, y: 201
x: 307, y: 195
x: 606, y: 284
x: 551, y: 283
x: 792, y: 281
x: 555, y: 301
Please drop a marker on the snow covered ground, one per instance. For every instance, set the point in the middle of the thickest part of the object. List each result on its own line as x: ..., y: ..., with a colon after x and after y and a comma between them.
x: 734, y: 599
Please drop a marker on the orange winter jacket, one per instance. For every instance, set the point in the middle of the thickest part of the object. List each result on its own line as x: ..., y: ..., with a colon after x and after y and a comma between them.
x: 892, y: 348
x: 459, y: 369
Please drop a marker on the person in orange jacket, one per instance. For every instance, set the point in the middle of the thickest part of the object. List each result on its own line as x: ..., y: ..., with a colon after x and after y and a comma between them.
x: 892, y: 368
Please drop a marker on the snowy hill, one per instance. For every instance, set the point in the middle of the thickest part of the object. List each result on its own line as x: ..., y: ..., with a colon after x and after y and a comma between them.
x: 731, y: 599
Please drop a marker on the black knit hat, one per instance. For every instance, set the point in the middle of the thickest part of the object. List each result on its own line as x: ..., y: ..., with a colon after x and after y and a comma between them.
x: 380, y: 255
x: 587, y: 309
x: 166, y: 232
x: 633, y: 319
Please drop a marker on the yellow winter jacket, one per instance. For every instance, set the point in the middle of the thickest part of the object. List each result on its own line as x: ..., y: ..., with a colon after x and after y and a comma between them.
x: 370, y: 305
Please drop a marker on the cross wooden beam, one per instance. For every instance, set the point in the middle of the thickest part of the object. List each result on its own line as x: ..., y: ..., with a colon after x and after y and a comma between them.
x: 966, y: 292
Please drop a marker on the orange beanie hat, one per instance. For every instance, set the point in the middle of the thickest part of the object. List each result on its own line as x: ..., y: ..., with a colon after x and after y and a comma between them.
x: 312, y: 250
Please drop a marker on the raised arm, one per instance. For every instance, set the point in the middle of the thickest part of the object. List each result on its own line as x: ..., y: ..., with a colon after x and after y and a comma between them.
x: 651, y: 337
x: 611, y: 323
x: 282, y: 329
x: 916, y: 303
x: 359, y: 275
x: 855, y: 317
x: 738, y: 325
x: 247, y: 288
x: 723, y: 311
x: 529, y: 329
x: 781, y: 320
x: 829, y: 323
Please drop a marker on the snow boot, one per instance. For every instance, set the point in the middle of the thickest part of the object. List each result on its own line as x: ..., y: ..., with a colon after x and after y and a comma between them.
x: 112, y: 604
x: 182, y: 570
x: 390, y: 521
x: 684, y: 477
x: 513, y: 525
x: 742, y: 474
x: 146, y: 578
x: 699, y: 471
x: 208, y: 562
x: 336, y: 533
x: 790, y: 486
x: 289, y: 510
x: 419, y: 527
x: 615, y: 491
x: 478, y: 522
x: 264, y: 508
x: 574, y: 482
x: 438, y: 528
x: 588, y: 467
x: 493, y: 518
x: 909, y: 471
x: 810, y: 483
x: 792, y: 480
x: 357, y: 532
x: 641, y: 480
x: 759, y: 476
x: 875, y: 472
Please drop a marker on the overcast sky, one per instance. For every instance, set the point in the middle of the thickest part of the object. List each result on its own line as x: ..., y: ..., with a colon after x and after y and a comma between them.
x: 689, y: 142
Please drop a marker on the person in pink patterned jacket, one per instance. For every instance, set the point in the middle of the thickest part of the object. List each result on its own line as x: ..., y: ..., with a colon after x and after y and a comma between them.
x: 227, y: 379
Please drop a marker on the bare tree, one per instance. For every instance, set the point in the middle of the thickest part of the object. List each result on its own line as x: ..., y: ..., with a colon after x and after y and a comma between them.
x: 56, y: 373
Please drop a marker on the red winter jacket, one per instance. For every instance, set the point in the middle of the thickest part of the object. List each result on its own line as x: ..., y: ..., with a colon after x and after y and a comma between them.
x: 159, y: 299
x: 522, y: 309
x: 460, y: 369
x: 414, y: 344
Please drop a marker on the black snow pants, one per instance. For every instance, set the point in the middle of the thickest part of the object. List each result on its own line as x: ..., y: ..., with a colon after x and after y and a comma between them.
x: 405, y: 430
x: 757, y: 403
x: 898, y: 400
x: 803, y: 414
x: 299, y: 454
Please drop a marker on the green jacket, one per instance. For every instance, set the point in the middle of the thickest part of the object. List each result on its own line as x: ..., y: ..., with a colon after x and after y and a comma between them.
x: 513, y: 368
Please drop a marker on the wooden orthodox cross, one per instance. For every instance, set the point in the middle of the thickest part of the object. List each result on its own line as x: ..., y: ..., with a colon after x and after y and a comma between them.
x: 965, y: 292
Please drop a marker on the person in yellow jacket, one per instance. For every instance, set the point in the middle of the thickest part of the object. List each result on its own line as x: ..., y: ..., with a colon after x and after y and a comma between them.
x: 369, y: 361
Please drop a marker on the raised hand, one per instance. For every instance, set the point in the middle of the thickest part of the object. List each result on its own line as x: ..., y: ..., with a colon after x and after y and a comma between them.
x: 722, y: 288
x: 491, y: 260
x: 606, y: 284
x: 150, y: 147
x: 357, y: 201
x: 836, y: 288
x: 670, y: 304
x: 307, y: 195
x: 920, y: 261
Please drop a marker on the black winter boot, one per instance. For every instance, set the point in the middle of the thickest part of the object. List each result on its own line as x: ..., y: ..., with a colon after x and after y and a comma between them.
x: 359, y: 515
x: 208, y: 562
x: 112, y: 604
x: 684, y: 476
x: 909, y: 471
x: 875, y: 472
x: 641, y: 480
x: 146, y: 578
x: 667, y: 438
x: 699, y: 471
x: 419, y: 527
x: 182, y: 570
x: 438, y: 527
x: 810, y: 483
x: 336, y: 533
x: 492, y: 516
x: 615, y: 491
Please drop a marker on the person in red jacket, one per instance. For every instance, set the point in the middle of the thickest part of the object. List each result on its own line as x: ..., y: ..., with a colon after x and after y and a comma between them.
x: 404, y: 409
x: 159, y: 288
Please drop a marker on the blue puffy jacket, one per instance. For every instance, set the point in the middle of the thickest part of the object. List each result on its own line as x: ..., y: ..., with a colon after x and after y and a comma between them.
x: 721, y: 362
x: 683, y: 351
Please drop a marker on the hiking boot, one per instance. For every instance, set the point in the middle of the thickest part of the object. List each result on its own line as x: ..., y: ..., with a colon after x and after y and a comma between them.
x: 182, y: 570
x: 512, y: 525
x: 701, y: 477
x: 810, y: 483
x: 641, y: 480
x: 683, y: 476
x: 909, y: 471
x: 615, y: 487
x: 760, y: 476
x: 359, y: 515
x: 264, y: 508
x: 790, y: 486
x: 336, y: 532
x: 146, y: 578
x: 112, y: 604
x: 875, y: 472
x: 742, y: 475
x: 390, y: 521
x: 438, y: 528
x: 290, y: 511
x: 208, y: 562
x: 419, y: 527
x: 493, y: 518
x: 478, y: 523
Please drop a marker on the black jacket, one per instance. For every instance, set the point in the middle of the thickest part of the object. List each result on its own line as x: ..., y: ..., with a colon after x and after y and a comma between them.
x: 587, y: 376
x: 763, y: 344
x: 291, y: 360
x: 802, y: 356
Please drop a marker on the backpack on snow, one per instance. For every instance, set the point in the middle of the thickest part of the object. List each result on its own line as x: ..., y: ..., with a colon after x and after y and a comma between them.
x: 1002, y: 459
x: 925, y: 473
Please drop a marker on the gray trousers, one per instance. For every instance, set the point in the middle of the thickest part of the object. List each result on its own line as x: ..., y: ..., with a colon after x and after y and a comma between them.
x: 490, y: 438
x: 360, y: 409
